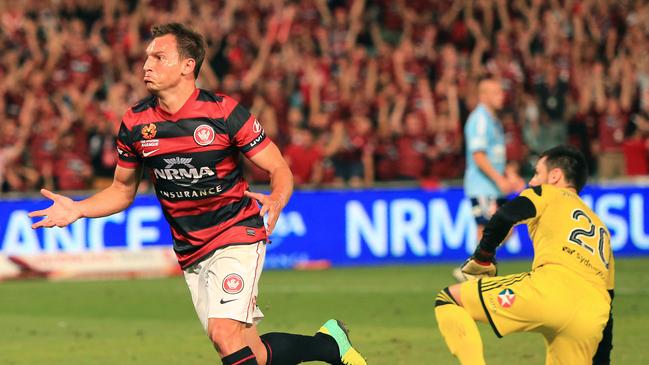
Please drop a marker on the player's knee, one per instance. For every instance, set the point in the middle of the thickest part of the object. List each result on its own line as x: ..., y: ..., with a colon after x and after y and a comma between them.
x: 445, y: 297
x: 226, y: 335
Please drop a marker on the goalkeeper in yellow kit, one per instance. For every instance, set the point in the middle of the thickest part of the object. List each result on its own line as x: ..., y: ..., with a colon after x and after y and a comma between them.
x: 567, y: 295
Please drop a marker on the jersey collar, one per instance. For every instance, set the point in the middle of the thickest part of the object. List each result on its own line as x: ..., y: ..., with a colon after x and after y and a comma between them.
x: 177, y: 115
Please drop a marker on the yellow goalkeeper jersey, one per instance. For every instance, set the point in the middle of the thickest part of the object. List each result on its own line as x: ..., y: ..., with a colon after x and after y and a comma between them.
x: 566, y: 232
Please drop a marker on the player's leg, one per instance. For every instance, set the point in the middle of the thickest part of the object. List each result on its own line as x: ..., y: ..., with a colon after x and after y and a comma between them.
x: 231, y: 281
x: 330, y: 344
x: 603, y: 353
x: 509, y: 304
x: 568, y: 350
x: 457, y: 323
x: 288, y: 348
x: 229, y: 339
x: 224, y: 292
x: 577, y: 341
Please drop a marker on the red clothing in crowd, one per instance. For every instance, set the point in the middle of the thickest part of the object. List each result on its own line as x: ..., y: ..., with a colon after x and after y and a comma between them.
x: 387, y: 159
x: 71, y: 170
x: 448, y: 161
x: 355, y: 144
x: 514, y: 143
x: 42, y: 147
x: 82, y: 68
x: 302, y: 160
x: 635, y: 156
x: 611, y: 132
x: 412, y: 156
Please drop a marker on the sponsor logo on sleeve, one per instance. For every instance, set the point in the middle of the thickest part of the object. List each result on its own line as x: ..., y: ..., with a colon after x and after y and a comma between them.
x: 256, y: 127
x: 256, y: 141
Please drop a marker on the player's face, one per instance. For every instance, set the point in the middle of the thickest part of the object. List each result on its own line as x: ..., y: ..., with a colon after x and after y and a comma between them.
x: 163, y: 67
x: 540, y: 173
x: 497, y: 97
x: 492, y: 94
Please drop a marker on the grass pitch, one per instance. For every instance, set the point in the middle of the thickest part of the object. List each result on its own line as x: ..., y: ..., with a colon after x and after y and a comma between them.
x: 388, y: 309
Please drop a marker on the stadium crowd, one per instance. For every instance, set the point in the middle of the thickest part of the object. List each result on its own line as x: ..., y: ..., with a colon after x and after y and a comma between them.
x: 353, y: 92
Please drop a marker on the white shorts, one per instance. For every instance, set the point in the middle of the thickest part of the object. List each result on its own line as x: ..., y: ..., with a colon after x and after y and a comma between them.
x: 225, y: 285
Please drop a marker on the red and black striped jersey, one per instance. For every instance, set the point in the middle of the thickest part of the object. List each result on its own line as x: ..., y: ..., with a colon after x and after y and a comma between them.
x: 192, y: 158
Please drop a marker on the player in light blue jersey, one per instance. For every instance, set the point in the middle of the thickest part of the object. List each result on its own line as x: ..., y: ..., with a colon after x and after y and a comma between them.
x: 485, y: 182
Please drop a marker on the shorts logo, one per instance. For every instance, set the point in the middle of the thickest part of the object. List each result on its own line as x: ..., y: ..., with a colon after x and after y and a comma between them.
x: 233, y: 284
x: 256, y: 127
x: 506, y: 298
x: 204, y: 134
x: 149, y: 131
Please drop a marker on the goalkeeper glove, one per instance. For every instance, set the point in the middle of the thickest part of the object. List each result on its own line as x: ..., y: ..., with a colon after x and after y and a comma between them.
x: 482, y: 264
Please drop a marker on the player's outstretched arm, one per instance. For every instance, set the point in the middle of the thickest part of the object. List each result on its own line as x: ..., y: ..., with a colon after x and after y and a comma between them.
x: 498, y: 227
x: 115, y: 198
x: 281, y: 183
x: 483, y: 263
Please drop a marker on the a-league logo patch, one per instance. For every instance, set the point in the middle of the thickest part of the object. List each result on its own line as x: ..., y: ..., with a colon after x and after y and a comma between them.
x: 149, y: 131
x: 233, y: 284
x: 506, y: 298
x: 204, y: 134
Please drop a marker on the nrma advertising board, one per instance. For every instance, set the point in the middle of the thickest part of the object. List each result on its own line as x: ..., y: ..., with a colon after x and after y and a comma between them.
x: 359, y: 227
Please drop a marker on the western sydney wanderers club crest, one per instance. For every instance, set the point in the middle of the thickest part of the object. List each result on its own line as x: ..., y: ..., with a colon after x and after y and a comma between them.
x: 506, y: 298
x: 232, y: 284
x: 204, y: 135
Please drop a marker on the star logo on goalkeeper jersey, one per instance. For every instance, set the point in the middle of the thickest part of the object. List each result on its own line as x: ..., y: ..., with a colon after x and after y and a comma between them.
x: 506, y: 298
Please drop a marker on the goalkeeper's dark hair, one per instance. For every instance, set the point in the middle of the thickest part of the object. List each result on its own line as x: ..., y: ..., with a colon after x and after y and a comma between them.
x: 189, y: 42
x: 571, y: 162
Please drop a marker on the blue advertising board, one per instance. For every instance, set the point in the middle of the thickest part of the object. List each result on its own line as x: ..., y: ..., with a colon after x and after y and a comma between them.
x: 346, y: 227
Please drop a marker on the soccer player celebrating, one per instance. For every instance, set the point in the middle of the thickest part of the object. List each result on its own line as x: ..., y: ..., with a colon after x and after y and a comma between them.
x: 565, y: 295
x: 189, y: 140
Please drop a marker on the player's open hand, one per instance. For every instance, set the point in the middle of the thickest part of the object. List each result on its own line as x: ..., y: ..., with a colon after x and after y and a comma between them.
x: 270, y: 205
x: 62, y: 212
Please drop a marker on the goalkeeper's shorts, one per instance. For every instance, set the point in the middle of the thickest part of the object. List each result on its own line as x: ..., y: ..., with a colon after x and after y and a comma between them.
x: 569, y: 311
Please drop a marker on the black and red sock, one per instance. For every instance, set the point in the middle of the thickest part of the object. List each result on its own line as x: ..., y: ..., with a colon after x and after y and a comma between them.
x: 242, y: 357
x: 291, y: 349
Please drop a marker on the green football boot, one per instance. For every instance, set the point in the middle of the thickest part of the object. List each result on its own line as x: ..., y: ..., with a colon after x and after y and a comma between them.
x: 348, y: 354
